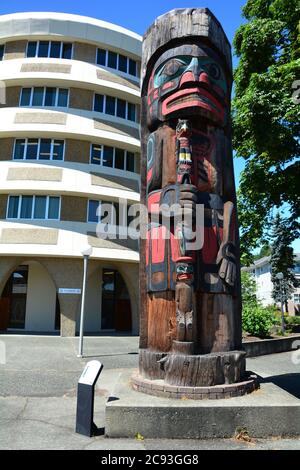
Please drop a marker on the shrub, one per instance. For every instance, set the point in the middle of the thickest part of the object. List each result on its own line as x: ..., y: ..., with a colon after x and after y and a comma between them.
x: 292, y: 320
x: 258, y: 320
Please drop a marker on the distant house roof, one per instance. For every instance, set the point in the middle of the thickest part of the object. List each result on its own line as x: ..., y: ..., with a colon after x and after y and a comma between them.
x: 264, y: 261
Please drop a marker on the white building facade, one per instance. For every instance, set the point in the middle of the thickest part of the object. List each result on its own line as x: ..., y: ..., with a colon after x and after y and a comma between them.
x: 261, y: 271
x: 69, y: 141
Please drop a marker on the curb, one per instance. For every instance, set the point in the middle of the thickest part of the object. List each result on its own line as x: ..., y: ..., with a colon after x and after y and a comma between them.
x: 271, y: 346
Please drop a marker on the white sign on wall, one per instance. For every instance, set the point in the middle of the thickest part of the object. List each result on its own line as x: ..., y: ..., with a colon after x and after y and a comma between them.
x: 69, y: 291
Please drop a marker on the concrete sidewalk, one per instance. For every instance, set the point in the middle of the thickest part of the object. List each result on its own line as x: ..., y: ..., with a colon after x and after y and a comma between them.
x: 38, y: 394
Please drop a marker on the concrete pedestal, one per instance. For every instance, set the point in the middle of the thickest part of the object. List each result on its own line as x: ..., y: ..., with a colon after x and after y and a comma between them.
x: 268, y: 411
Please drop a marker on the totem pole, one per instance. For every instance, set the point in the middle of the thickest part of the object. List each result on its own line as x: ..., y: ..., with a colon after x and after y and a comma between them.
x: 191, y: 333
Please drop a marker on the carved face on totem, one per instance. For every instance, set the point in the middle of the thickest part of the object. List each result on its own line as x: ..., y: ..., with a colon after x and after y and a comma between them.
x: 188, y: 81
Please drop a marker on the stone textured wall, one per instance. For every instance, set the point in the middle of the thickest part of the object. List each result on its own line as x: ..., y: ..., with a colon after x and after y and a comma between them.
x: 84, y: 52
x: 51, y: 68
x: 34, y: 174
x: 29, y: 236
x: 41, y: 118
x: 6, y: 149
x: 3, y: 205
x: 77, y: 151
x: 12, y: 96
x: 81, y: 99
x: 15, y: 50
x: 73, y: 209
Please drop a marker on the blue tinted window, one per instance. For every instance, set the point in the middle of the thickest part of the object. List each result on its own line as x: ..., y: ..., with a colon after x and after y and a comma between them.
x: 13, y: 207
x: 40, y: 207
x: 119, y: 159
x: 38, y: 96
x: 132, y: 67
x: 45, y: 149
x: 101, y: 57
x: 43, y: 49
x: 131, y: 112
x: 26, y: 207
x: 121, y: 108
x: 66, y: 50
x: 50, y: 97
x: 55, y: 47
x: 53, y: 211
x: 19, y: 149
x: 112, y: 60
x: 92, y: 211
x: 1, y: 51
x: 122, y: 63
x: 96, y: 154
x: 25, y: 96
x: 108, y: 156
x: 58, y: 149
x: 32, y: 149
x: 31, y: 49
x: 110, y: 106
x: 63, y: 95
x: 130, y: 161
x: 98, y: 103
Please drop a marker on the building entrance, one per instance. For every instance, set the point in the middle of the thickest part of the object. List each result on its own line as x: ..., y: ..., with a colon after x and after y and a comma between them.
x: 116, y: 307
x: 13, y: 300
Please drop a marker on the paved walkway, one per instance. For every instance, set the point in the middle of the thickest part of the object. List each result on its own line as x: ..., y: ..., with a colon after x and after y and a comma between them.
x: 38, y: 393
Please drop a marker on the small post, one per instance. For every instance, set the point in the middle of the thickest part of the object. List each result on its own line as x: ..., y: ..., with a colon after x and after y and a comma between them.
x: 280, y: 277
x: 86, y: 254
x: 85, y: 399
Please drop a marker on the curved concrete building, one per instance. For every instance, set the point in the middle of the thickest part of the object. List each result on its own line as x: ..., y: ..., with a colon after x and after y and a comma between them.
x: 69, y: 142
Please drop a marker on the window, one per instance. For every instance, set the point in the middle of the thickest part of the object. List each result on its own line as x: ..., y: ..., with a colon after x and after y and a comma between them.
x: 131, y: 112
x: 39, y: 149
x: 111, y: 157
x: 133, y: 68
x: 1, y: 51
x: 98, y: 103
x: 297, y: 299
x: 108, y: 156
x: 114, y: 213
x: 31, y: 49
x: 115, y: 107
x: 130, y: 162
x: 43, y: 49
x: 297, y: 269
x: 53, y: 49
x: 121, y: 108
x: 123, y: 61
x: 110, y: 105
x: 112, y: 60
x: 119, y: 159
x: 44, y: 96
x: 33, y: 207
x: 92, y: 211
x: 101, y: 57
x: 117, y: 61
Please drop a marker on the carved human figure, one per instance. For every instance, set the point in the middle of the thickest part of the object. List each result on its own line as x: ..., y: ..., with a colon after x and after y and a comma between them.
x: 192, y: 295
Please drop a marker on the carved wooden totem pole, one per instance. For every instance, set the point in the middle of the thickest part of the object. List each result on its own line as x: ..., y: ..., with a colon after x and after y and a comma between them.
x: 191, y: 333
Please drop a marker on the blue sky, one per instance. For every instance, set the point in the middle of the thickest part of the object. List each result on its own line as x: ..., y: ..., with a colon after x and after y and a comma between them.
x: 137, y: 16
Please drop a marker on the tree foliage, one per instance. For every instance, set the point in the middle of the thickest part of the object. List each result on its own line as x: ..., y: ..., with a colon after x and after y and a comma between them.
x: 264, y: 251
x: 282, y: 260
x: 266, y: 116
x: 248, y: 285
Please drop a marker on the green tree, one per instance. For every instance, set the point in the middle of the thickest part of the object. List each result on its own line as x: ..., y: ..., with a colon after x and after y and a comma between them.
x: 264, y: 251
x: 248, y: 288
x: 282, y: 260
x: 266, y: 116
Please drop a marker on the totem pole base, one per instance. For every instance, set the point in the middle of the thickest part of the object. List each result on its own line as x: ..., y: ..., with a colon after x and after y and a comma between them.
x: 209, y: 376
